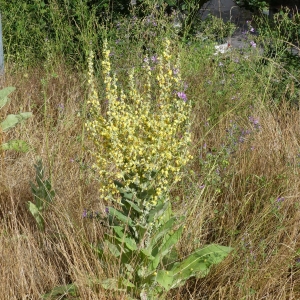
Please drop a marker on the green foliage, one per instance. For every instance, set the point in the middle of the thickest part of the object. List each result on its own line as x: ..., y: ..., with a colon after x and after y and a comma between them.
x: 143, y: 241
x: 280, y: 61
x: 16, y: 145
x: 33, y: 30
x: 43, y: 195
x: 216, y: 29
x: 10, y: 122
x: 143, y: 231
x: 252, y: 5
x: 188, y: 15
x: 4, y: 95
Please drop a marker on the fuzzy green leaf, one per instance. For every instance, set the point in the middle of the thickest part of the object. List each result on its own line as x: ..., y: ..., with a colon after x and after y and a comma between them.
x: 199, y: 262
x: 147, y: 254
x: 36, y: 213
x: 129, y: 242
x: 4, y: 95
x: 118, y: 230
x: 133, y: 205
x: 117, y: 214
x: 13, y: 120
x: 165, y: 279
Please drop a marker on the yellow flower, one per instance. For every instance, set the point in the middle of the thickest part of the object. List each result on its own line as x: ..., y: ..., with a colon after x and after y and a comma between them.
x: 140, y: 131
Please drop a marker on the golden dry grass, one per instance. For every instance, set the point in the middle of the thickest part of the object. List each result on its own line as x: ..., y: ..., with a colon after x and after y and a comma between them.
x: 245, y: 215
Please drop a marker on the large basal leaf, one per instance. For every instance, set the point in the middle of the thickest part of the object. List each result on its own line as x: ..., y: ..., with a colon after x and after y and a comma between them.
x: 4, y: 95
x: 13, y: 120
x: 165, y: 279
x: 199, y: 263
x: 16, y: 145
x: 170, y: 259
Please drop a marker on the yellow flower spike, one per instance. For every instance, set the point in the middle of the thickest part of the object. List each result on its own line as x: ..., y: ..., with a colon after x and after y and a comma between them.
x: 139, y: 132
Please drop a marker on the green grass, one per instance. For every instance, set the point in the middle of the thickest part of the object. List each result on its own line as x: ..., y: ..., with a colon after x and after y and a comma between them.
x: 240, y: 190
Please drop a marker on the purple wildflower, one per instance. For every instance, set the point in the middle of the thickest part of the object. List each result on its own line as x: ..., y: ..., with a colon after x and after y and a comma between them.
x: 255, y: 122
x: 280, y: 199
x: 154, y: 59
x: 84, y: 214
x: 182, y: 96
x: 253, y: 44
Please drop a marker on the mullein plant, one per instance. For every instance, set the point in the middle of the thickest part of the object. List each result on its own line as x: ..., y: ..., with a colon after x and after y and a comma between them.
x: 146, y: 131
x: 141, y: 141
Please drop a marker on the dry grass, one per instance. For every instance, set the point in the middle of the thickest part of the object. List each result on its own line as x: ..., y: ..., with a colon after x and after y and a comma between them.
x: 244, y: 215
